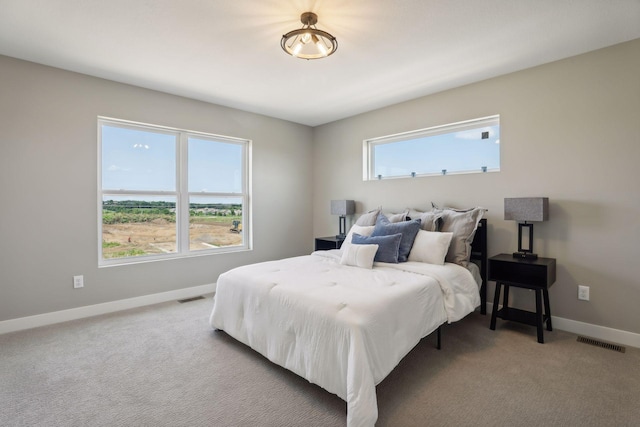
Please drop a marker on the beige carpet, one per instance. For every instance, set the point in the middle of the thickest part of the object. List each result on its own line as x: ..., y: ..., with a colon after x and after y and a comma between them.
x: 163, y: 366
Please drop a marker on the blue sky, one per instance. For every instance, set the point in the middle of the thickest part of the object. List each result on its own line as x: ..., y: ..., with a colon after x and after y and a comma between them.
x: 214, y: 166
x: 142, y: 160
x: 456, y: 151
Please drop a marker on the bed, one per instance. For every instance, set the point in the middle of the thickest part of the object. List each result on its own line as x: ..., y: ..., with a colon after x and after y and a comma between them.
x: 345, y: 326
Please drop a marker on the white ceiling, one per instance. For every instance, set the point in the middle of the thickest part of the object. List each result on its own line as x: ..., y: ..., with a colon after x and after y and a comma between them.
x: 228, y: 51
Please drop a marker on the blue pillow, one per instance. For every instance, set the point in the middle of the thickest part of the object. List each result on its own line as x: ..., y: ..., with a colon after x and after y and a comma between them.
x: 408, y: 229
x: 387, y: 246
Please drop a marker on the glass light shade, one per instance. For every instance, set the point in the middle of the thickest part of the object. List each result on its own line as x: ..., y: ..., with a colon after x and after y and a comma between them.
x: 308, y: 42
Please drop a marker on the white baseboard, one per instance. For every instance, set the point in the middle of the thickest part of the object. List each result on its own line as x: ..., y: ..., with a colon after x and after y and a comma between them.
x: 29, y: 322
x: 614, y: 336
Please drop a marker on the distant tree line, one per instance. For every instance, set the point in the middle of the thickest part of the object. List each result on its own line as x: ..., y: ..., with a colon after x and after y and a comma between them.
x: 132, y: 211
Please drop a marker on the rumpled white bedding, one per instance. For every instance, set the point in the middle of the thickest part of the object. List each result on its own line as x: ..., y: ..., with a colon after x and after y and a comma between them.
x: 343, y: 328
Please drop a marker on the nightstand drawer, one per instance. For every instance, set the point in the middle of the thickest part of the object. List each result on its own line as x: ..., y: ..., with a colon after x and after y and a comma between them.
x: 539, y: 272
x: 326, y: 243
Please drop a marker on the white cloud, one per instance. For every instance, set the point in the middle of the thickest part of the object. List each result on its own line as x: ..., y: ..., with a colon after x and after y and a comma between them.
x: 115, y: 168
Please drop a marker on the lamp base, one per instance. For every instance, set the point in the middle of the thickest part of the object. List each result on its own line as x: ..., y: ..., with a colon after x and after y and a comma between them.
x: 525, y: 255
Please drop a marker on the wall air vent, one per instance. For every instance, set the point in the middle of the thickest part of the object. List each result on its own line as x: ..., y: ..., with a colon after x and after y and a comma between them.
x: 598, y: 343
x: 181, y: 301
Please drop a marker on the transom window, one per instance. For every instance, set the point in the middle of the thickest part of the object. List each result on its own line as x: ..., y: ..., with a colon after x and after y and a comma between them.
x: 167, y: 193
x: 471, y: 146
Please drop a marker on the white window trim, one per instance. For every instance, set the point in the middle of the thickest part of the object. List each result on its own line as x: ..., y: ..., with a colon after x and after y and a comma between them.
x: 368, y: 145
x: 181, y: 194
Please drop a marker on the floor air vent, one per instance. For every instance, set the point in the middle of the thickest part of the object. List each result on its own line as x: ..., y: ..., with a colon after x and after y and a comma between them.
x: 608, y: 346
x: 190, y: 299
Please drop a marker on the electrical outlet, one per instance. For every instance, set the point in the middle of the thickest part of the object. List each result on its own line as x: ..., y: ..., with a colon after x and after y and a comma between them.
x: 78, y: 282
x: 583, y: 293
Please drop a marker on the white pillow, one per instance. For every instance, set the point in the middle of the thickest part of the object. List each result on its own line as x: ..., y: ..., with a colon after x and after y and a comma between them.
x: 430, y: 247
x: 359, y: 255
x: 360, y: 229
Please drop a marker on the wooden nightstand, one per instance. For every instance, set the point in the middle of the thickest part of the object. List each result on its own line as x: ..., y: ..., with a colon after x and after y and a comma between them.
x: 537, y: 274
x: 326, y: 243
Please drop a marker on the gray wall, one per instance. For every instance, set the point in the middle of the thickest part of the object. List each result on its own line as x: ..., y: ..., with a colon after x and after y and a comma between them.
x: 570, y: 130
x: 48, y: 188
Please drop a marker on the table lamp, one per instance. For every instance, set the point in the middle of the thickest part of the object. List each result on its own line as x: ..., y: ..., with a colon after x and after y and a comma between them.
x: 526, y: 209
x: 342, y: 208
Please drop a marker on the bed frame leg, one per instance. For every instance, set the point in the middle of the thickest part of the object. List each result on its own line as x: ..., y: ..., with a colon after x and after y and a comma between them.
x: 439, y: 340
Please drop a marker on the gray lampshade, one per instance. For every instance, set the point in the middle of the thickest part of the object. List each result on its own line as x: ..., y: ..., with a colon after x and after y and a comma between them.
x: 343, y: 207
x: 526, y: 208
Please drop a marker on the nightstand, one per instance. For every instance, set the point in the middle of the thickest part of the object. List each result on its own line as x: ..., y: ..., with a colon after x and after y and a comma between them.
x: 330, y: 242
x: 535, y: 274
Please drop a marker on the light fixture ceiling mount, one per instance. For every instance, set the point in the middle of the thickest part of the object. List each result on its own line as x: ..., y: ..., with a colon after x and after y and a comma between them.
x: 308, y: 42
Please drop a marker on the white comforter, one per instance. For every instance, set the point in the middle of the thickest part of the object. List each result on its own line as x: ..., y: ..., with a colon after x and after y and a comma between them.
x: 343, y: 328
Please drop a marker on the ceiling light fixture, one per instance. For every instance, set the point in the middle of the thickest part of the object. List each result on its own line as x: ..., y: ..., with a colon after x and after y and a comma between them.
x: 309, y: 42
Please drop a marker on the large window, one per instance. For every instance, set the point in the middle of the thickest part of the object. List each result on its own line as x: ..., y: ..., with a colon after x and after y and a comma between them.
x: 166, y: 193
x: 466, y: 147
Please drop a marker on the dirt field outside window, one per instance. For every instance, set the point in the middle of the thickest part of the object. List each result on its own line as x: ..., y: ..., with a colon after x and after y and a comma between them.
x: 159, y: 236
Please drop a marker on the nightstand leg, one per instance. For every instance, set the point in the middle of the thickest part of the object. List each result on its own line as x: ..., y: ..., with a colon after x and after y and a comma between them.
x: 539, y: 315
x: 547, y: 309
x: 494, y: 311
x: 505, y: 297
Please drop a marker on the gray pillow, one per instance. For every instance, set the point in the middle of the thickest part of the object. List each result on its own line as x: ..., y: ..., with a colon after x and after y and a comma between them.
x: 396, y: 217
x: 408, y: 229
x: 387, y: 246
x: 429, y: 221
x: 368, y: 218
x: 463, y: 225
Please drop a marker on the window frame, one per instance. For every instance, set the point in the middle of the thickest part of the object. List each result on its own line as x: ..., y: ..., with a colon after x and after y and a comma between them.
x: 368, y: 146
x: 181, y: 193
